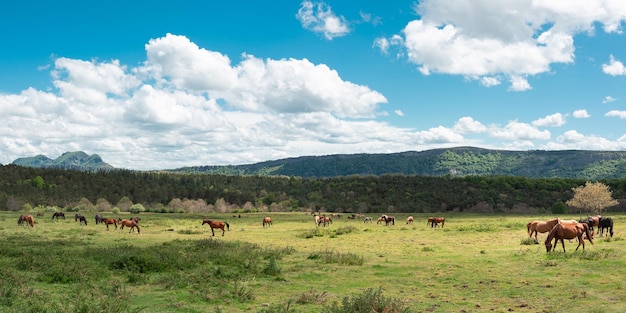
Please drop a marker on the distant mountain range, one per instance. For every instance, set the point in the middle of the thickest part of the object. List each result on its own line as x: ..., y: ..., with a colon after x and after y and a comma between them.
x: 69, y: 160
x: 460, y: 161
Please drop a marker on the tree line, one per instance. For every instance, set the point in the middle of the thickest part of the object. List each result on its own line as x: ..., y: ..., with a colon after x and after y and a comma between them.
x: 26, y: 188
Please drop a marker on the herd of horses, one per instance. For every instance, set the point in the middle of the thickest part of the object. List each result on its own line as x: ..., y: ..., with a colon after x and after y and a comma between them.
x: 559, y: 230
x: 132, y: 223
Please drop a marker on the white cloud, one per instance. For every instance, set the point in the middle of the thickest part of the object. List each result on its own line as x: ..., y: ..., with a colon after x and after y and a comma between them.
x: 489, y: 81
x: 608, y: 99
x: 553, y: 120
x: 616, y: 113
x: 319, y: 18
x: 469, y: 125
x: 581, y: 114
x: 399, y: 112
x: 514, y: 38
x: 614, y: 68
x: 515, y: 130
x: 382, y: 44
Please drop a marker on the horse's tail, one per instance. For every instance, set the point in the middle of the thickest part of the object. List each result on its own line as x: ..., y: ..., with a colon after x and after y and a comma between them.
x: 588, y: 233
x: 227, y: 226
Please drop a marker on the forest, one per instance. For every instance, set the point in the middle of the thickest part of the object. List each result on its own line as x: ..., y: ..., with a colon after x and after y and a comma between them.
x: 24, y: 188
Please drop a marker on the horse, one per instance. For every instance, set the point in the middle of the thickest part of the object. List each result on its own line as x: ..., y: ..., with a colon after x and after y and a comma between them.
x: 99, y: 219
x: 40, y: 214
x: 26, y: 218
x: 77, y: 217
x: 214, y: 224
x: 605, y: 222
x: 267, y: 221
x: 430, y: 221
x: 380, y: 220
x: 409, y: 220
x: 367, y: 219
x: 438, y: 220
x: 57, y: 215
x: 387, y: 219
x: 563, y: 231
x: 540, y: 227
x: 109, y: 221
x: 326, y: 220
x: 129, y: 223
x: 82, y: 220
x: 574, y: 222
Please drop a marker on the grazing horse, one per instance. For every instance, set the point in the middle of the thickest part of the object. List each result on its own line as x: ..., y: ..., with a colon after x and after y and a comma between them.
x: 267, y: 221
x: 109, y: 221
x: 409, y: 220
x: 380, y: 220
x: 605, y: 222
x: 387, y: 219
x: 540, y: 227
x: 326, y: 220
x: 317, y: 219
x: 430, y: 221
x: 40, y: 214
x: 82, y: 220
x: 57, y: 215
x: 99, y: 219
x: 129, y: 223
x: 367, y: 219
x: 26, y: 218
x: 438, y: 220
x: 596, y: 220
x: 214, y: 224
x: 563, y: 231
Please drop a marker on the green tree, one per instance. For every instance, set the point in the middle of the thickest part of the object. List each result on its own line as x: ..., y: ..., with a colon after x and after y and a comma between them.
x: 592, y: 197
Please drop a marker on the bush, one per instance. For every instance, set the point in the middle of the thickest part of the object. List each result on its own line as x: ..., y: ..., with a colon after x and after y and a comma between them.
x: 368, y: 301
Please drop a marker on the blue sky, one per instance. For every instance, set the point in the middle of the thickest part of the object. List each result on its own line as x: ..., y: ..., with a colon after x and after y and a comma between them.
x: 168, y: 84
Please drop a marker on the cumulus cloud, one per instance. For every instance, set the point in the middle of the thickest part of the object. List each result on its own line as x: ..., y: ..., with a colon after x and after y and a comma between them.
x: 581, y: 114
x: 319, y: 18
x: 608, y: 99
x: 515, y: 130
x: 616, y: 113
x: 467, y: 124
x: 554, y: 120
x: 614, y: 68
x: 516, y: 39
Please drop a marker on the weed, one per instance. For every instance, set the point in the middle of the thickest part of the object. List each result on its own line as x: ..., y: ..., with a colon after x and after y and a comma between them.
x: 529, y: 241
x: 312, y: 297
x: 369, y: 300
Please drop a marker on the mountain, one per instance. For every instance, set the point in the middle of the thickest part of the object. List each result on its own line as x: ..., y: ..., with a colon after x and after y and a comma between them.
x: 458, y: 161
x: 78, y: 160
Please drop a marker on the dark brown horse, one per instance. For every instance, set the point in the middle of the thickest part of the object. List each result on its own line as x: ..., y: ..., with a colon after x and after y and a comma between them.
x: 215, y: 224
x: 99, y: 219
x: 568, y: 231
x: 109, y: 221
x: 80, y: 218
x: 267, y: 221
x: 540, y: 227
x: 605, y: 223
x: 129, y: 223
x: 77, y: 217
x: 26, y: 218
x: 57, y: 215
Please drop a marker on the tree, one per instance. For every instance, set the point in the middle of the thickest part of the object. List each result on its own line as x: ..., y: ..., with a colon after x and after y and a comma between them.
x: 592, y: 197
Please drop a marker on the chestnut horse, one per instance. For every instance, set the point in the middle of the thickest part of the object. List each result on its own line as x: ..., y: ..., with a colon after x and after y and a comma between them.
x: 26, y: 218
x: 214, y: 224
x: 563, y: 231
x: 409, y: 220
x: 540, y: 227
x: 437, y: 220
x: 267, y: 221
x: 109, y: 221
x: 129, y: 223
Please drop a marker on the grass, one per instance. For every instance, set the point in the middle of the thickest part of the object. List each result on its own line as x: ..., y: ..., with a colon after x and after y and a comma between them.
x: 474, y: 264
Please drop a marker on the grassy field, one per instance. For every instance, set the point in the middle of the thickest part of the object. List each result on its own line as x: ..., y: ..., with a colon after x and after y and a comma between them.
x: 473, y: 264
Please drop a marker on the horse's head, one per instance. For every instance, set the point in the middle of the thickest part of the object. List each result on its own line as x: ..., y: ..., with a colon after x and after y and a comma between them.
x: 548, y: 244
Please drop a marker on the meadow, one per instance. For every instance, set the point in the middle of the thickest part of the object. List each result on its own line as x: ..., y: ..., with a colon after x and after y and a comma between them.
x: 475, y: 263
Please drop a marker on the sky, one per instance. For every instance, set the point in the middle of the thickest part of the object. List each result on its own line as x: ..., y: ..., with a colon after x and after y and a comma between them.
x: 162, y: 84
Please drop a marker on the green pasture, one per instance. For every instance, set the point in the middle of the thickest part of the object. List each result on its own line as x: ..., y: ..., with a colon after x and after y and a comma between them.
x: 474, y: 263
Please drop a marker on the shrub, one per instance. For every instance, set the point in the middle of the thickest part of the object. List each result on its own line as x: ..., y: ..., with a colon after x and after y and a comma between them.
x: 369, y: 300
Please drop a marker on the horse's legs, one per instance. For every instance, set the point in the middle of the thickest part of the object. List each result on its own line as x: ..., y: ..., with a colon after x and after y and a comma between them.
x: 562, y: 244
x: 212, y: 231
x: 223, y: 231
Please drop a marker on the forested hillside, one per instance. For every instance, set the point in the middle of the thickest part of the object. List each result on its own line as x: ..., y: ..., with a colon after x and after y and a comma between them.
x: 459, y: 161
x: 25, y: 187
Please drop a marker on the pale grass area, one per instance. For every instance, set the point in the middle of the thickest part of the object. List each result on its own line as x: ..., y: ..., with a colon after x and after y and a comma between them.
x: 474, y: 263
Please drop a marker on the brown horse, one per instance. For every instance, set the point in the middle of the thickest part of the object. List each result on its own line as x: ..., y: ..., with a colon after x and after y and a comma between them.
x: 325, y: 220
x: 540, y: 227
x: 109, y: 221
x: 40, y: 214
x: 267, y: 221
x: 129, y: 223
x: 387, y: 219
x: 26, y: 218
x: 437, y: 220
x: 409, y: 220
x: 563, y: 231
x: 430, y: 221
x: 57, y: 215
x: 214, y: 224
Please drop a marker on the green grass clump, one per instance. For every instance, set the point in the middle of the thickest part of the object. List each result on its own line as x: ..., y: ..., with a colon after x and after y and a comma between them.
x: 369, y: 300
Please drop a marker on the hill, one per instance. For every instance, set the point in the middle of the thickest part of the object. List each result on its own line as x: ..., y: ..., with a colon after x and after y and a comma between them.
x: 69, y: 160
x: 458, y: 161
